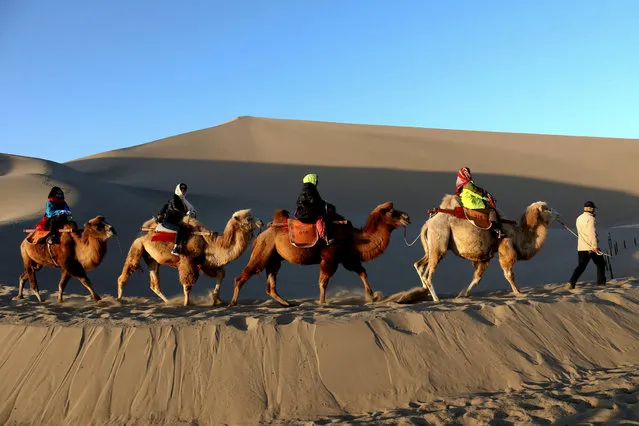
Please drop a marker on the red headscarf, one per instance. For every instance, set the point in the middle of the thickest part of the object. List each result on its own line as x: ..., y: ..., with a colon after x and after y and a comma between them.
x: 463, y: 177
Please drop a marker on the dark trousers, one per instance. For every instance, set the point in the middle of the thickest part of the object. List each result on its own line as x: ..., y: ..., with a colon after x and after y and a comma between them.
x: 180, y: 231
x: 584, y: 258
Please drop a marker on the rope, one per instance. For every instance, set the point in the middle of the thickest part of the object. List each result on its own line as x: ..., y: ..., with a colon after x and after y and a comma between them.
x: 599, y: 252
x: 414, y: 241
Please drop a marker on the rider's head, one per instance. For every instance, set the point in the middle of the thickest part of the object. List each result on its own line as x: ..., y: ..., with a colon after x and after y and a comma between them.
x: 57, y: 193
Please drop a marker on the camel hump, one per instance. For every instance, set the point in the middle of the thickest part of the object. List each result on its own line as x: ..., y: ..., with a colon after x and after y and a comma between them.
x: 280, y: 215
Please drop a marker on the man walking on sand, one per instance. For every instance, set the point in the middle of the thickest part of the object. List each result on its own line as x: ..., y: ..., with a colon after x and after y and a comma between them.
x: 588, y: 246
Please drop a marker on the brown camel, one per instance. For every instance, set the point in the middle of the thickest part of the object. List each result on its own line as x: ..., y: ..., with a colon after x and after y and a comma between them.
x: 205, y: 251
x: 445, y: 232
x: 77, y: 253
x: 354, y: 247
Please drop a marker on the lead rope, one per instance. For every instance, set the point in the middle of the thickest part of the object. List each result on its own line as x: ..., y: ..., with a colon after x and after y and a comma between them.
x: 599, y: 252
x: 414, y: 241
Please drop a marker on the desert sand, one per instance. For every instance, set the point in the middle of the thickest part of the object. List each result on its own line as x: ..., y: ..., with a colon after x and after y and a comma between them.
x: 553, y: 355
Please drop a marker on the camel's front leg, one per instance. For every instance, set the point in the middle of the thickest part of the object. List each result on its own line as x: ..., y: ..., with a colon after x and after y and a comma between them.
x: 327, y: 270
x: 23, y: 278
x: 64, y: 279
x: 507, y: 259
x: 480, y: 268
x: 189, y: 273
x: 218, y: 274
x: 272, y: 268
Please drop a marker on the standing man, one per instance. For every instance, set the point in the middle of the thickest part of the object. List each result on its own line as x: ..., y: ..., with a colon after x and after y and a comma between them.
x: 588, y: 245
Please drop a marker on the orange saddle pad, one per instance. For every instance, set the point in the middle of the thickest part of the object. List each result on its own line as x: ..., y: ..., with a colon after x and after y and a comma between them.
x: 35, y: 236
x: 302, y: 235
x: 480, y: 219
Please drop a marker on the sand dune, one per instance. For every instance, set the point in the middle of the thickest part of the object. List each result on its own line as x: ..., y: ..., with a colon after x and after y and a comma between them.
x: 495, y: 358
x: 551, y: 356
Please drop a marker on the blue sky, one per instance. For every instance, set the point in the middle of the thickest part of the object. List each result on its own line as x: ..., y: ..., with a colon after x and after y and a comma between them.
x: 79, y: 77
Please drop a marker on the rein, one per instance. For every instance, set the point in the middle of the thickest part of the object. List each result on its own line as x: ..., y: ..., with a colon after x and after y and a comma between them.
x: 599, y: 252
x: 414, y: 241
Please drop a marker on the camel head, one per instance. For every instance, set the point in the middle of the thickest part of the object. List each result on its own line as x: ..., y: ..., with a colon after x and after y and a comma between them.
x: 387, y: 214
x: 539, y: 213
x: 99, y: 228
x: 245, y: 220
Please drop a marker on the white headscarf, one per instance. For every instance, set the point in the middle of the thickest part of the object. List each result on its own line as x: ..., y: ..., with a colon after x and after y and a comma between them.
x: 189, y: 207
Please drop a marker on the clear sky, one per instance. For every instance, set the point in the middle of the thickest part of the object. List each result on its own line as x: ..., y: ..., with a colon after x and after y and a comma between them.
x: 79, y: 77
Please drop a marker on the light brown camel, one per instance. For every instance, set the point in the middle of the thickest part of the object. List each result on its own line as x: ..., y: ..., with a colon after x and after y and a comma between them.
x: 77, y: 253
x: 205, y: 251
x: 350, y: 250
x: 445, y: 232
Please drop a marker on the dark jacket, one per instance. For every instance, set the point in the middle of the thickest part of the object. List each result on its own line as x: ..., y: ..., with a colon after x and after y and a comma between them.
x: 173, y: 212
x: 310, y: 204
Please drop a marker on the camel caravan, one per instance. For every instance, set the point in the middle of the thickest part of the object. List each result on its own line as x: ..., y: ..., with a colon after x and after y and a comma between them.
x: 466, y: 223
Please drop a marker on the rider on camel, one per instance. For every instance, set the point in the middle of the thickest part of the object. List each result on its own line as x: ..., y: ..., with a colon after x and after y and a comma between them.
x: 57, y: 213
x: 475, y: 198
x: 173, y: 212
x: 311, y: 208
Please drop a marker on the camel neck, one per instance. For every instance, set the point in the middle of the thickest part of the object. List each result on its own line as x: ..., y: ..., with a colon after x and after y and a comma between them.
x: 371, y: 242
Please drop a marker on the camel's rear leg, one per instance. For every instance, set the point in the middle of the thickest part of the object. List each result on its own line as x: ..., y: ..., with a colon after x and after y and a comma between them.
x: 421, y: 266
x: 260, y: 255
x: 480, y: 268
x: 272, y: 268
x: 131, y: 264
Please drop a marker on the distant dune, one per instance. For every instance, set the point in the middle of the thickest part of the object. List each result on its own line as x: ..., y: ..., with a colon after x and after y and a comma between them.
x: 182, y: 365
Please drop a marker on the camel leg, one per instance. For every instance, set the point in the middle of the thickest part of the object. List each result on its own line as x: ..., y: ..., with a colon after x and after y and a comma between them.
x: 260, y: 257
x: 189, y: 274
x: 272, y: 268
x: 131, y: 264
x: 33, y: 283
x: 23, y: 278
x: 507, y: 259
x: 75, y: 269
x: 154, y: 279
x: 218, y: 274
x: 327, y: 270
x: 359, y: 270
x: 64, y: 279
x: 480, y: 268
x: 421, y: 266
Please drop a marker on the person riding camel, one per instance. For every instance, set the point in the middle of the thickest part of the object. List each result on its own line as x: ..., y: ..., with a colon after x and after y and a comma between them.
x: 311, y: 208
x: 475, y: 198
x: 56, y: 214
x: 173, y: 212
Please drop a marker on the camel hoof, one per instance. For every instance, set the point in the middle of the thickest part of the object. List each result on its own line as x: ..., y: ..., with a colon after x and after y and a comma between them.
x: 18, y: 297
x: 375, y: 297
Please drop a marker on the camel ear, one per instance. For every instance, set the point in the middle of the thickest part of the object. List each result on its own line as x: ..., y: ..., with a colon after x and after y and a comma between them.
x: 386, y: 207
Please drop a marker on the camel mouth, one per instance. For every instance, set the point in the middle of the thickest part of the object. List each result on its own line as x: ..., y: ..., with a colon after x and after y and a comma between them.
x: 404, y: 219
x: 258, y: 224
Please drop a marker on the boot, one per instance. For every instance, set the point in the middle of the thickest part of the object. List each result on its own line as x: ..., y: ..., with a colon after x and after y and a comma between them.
x: 328, y: 241
x: 498, y: 231
x: 176, y: 250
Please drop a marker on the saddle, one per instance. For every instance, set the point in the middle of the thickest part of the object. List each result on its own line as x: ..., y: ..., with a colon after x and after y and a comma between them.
x: 478, y: 218
x: 164, y: 234
x: 306, y: 235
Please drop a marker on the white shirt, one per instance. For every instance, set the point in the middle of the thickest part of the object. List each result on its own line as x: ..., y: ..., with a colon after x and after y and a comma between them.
x: 588, y: 238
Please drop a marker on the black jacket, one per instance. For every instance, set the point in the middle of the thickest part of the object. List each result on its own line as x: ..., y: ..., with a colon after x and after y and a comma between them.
x: 310, y: 204
x: 173, y: 211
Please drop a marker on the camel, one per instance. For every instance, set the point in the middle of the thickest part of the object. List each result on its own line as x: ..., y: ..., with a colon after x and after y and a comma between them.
x: 444, y: 232
x: 205, y: 251
x: 354, y: 247
x: 78, y: 252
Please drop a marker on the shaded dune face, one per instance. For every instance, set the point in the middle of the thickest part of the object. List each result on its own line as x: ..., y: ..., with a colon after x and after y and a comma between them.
x: 259, y: 163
